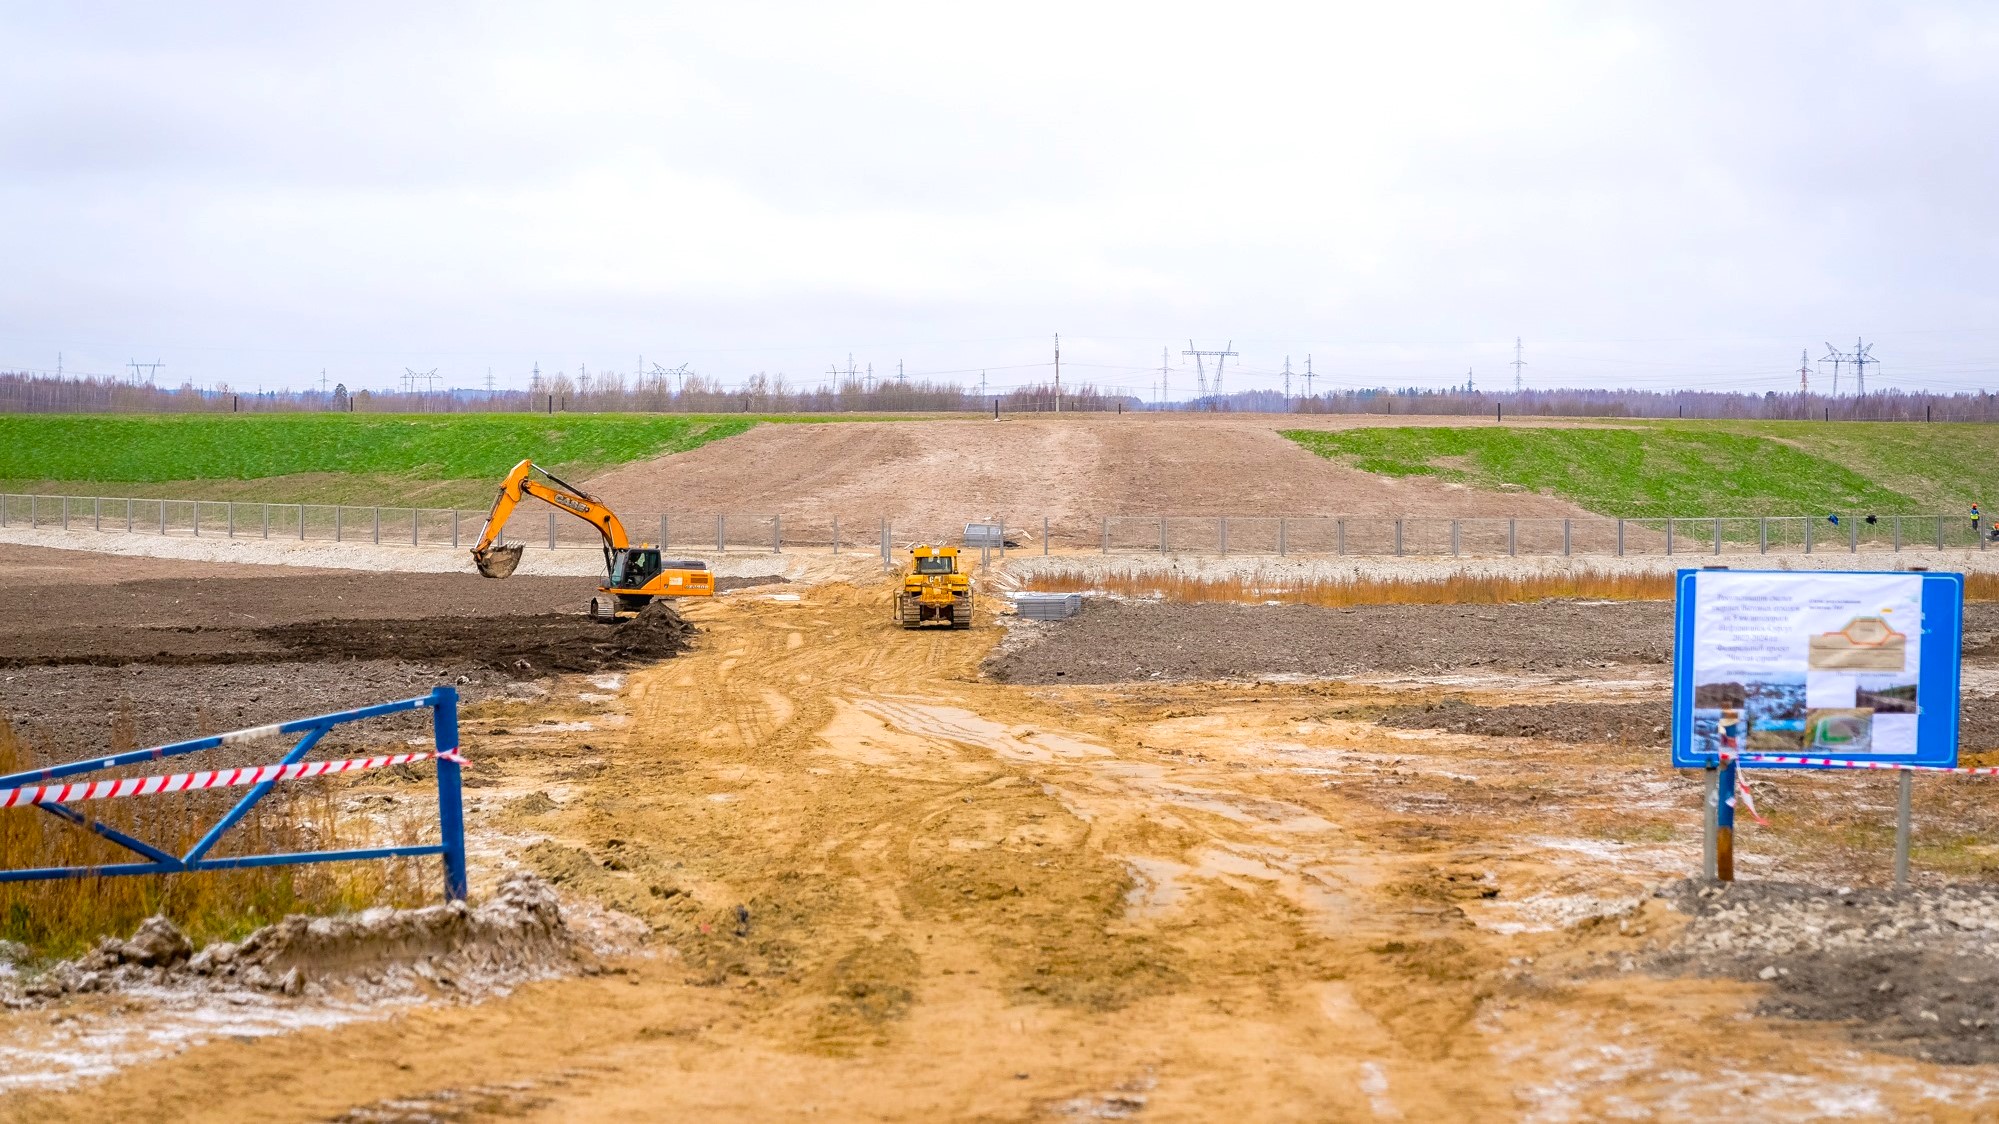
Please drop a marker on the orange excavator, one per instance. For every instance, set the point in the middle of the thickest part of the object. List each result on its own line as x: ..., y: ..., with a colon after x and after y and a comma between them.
x: 636, y: 574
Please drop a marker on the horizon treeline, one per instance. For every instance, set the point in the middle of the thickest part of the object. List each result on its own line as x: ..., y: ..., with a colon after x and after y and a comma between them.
x: 682, y: 392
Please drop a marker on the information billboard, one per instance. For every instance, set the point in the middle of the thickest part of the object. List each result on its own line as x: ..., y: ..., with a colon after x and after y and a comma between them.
x: 1841, y: 665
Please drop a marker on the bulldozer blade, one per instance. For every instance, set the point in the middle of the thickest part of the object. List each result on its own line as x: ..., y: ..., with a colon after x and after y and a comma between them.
x: 500, y: 561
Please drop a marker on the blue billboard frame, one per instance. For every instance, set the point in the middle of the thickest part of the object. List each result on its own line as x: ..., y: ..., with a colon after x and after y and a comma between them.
x: 1940, y: 672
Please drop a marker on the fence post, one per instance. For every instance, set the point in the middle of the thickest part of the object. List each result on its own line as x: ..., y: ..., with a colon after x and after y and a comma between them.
x: 1162, y: 534
x: 196, y: 505
x: 1281, y: 544
x: 662, y: 532
x: 128, y: 516
x: 230, y: 510
x: 1906, y: 782
x: 1107, y: 535
x: 777, y: 534
x: 1717, y: 534
x: 1808, y: 534
x: 1044, y: 536
x: 836, y: 532
x: 551, y: 530
x: 163, y: 517
x: 1853, y: 535
x: 4, y: 505
x: 378, y: 524
x: 454, y: 526
x: 1669, y: 535
x: 267, y: 518
x: 1566, y: 527
x: 416, y: 517
x: 1762, y: 534
x: 35, y: 511
x: 887, y: 554
x: 65, y: 515
x: 1398, y: 538
x: 1898, y: 534
x: 722, y: 534
x: 1620, y: 538
x: 1512, y: 537
x: 1224, y: 535
x: 97, y: 513
x: 1339, y: 536
x: 450, y: 791
x: 301, y: 522
x: 1454, y: 538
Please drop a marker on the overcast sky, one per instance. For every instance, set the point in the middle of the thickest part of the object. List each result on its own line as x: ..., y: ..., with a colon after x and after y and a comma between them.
x: 1663, y: 195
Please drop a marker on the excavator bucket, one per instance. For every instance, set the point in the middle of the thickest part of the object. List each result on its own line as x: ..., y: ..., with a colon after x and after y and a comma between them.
x: 500, y: 561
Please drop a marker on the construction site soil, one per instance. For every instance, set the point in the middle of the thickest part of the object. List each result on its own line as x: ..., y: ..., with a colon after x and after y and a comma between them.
x: 87, y: 642
x: 1238, y: 870
x: 1071, y: 470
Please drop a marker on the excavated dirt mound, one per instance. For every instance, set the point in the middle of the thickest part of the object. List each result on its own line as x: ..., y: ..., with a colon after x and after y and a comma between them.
x: 525, y: 645
x: 517, y: 935
x: 1916, y: 972
x: 1126, y: 641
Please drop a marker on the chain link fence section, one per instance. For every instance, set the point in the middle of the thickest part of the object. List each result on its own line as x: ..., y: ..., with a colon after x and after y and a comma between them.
x: 1357, y: 536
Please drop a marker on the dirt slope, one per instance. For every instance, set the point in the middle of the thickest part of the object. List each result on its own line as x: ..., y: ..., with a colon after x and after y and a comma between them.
x: 1073, y: 470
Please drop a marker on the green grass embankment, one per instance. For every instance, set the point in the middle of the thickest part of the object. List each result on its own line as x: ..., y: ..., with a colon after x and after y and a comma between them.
x: 1651, y: 470
x: 432, y: 459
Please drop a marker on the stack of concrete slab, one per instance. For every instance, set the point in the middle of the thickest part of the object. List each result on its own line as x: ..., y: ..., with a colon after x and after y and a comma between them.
x: 1048, y: 606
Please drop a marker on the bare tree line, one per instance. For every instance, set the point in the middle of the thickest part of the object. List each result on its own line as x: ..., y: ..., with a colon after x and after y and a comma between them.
x: 684, y: 392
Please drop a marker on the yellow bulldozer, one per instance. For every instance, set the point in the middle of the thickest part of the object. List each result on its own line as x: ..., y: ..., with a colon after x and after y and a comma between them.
x: 635, y: 574
x: 934, y: 592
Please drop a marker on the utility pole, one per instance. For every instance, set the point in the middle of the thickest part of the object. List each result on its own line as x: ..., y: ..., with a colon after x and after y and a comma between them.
x: 1058, y: 372
x: 1518, y: 363
x: 1804, y: 373
x: 1835, y: 357
x: 1861, y: 357
x: 1201, y: 371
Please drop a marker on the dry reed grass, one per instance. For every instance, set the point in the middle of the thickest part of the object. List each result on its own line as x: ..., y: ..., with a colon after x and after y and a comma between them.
x: 1454, y: 589
x: 1259, y: 587
x: 61, y: 917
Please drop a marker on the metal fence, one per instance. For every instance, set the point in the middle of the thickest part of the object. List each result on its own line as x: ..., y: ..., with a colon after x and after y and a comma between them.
x: 1359, y: 536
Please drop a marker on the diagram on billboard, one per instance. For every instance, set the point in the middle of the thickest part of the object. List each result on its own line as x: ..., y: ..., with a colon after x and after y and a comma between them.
x: 1807, y: 664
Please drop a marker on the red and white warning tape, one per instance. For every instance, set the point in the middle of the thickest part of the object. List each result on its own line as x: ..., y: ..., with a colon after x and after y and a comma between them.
x: 1836, y: 763
x: 221, y: 778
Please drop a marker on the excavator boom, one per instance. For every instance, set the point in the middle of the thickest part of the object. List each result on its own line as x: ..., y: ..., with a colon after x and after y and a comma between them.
x: 498, y: 560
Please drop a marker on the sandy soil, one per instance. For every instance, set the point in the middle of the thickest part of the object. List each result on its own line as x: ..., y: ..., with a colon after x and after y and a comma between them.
x: 882, y: 886
x: 932, y: 478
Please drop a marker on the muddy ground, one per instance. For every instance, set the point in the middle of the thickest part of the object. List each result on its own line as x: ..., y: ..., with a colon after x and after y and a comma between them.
x: 879, y: 884
x: 178, y: 648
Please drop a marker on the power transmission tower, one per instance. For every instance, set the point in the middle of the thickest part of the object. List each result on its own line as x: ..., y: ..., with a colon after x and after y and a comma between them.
x: 1468, y: 386
x: 1162, y: 376
x: 489, y: 379
x: 1804, y: 373
x: 322, y: 380
x: 1287, y: 382
x: 1863, y: 354
x: 152, y: 370
x: 899, y: 379
x: 1518, y: 363
x: 982, y: 384
x: 870, y: 383
x: 1200, y: 369
x: 1835, y: 357
x: 1308, y: 376
x: 58, y: 364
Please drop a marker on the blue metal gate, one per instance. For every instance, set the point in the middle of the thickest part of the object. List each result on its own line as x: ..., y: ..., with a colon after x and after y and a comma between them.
x: 443, y: 705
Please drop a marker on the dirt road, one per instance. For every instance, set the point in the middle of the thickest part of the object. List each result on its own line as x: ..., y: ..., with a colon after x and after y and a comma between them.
x: 883, y: 888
